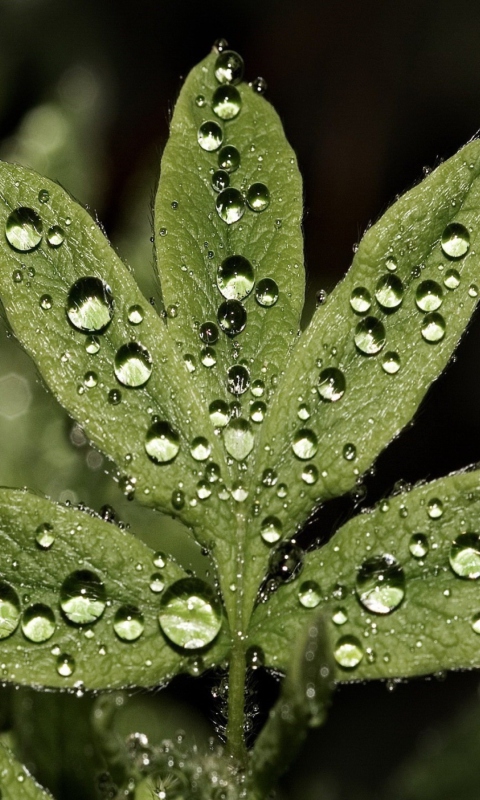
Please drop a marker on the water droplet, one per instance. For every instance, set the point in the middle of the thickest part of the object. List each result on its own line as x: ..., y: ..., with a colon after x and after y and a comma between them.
x: 229, y: 67
x: 238, y: 438
x: 229, y: 158
x: 38, y: 623
x: 389, y: 292
x: 55, y: 236
x: 305, y: 444
x: 132, y: 365
x: 9, y: 610
x: 258, y: 197
x: 83, y: 597
x: 232, y: 317
x: 370, y: 336
x: 220, y: 180
x: 190, y: 614
x: 258, y: 411
x: 452, y: 279
x: 391, y: 362
x: 269, y: 477
x: 178, y: 500
x: 349, y: 452
x: 433, y: 327
x: 271, y: 530
x: 160, y: 559
x: 464, y: 556
x: 92, y: 345
x: 114, y: 397
x: 65, y: 665
x: 210, y: 136
x: 226, y: 102
x: 17, y: 276
x: 45, y: 536
x: 476, y: 623
x: 200, y: 449
x: 259, y: 85
x: 200, y: 101
x: 255, y: 657
x: 238, y: 379
x: 162, y: 443
x: 46, y: 302
x: 380, y: 584
x: 157, y: 584
x: 309, y: 594
x: 266, y: 292
x: 361, y: 300
x: 303, y: 411
x: 208, y: 333
x: 455, y: 240
x: 90, y: 379
x: 286, y: 561
x: 23, y: 229
x: 418, y: 545
x: 219, y: 413
x: 391, y: 263
x: 239, y: 492
x: 208, y: 357
x: 331, y: 384
x: 429, y: 296
x: 203, y: 490
x: 90, y: 305
x: 310, y: 474
x: 339, y: 616
x: 348, y: 652
x: 230, y: 206
x: 135, y: 315
x: 128, y: 623
x: 43, y: 196
x: 189, y: 362
x: 235, y: 278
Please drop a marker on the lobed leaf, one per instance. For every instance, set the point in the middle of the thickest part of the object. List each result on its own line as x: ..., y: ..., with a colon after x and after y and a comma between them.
x: 45, y: 642
x: 394, y: 585
x: 16, y: 783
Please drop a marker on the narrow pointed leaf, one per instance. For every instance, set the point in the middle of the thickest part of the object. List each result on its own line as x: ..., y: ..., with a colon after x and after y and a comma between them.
x: 80, y: 601
x: 16, y: 783
x: 395, y: 586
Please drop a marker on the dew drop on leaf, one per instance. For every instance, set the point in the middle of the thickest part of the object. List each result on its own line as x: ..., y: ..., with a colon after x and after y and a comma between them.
x: 83, y: 597
x: 464, y: 556
x: 65, y: 665
x: 391, y: 264
x: 476, y: 623
x: 200, y: 101
x: 455, y: 240
x: 348, y: 652
x: 9, y: 610
x: 92, y: 344
x: 226, y: 102
x: 360, y: 300
x: 160, y: 559
x: 219, y: 413
x: 208, y: 357
x: 259, y: 85
x: 162, y: 443
x: 90, y: 379
x: 38, y: 623
x: 380, y: 584
x: 132, y: 365
x: 229, y: 67
x: 220, y: 180
x: 429, y: 296
x: 452, y: 279
x: 238, y: 379
x: 238, y: 438
x: 178, y: 499
x: 349, y: 452
x: 309, y: 594
x: 45, y: 536
x: 190, y: 614
x: 418, y: 545
x: 43, y: 196
x: 271, y: 530
x: 235, y: 277
x: 391, y: 362
x: 200, y: 449
x: 203, y: 490
x: 90, y: 305
x: 229, y: 158
x: 339, y: 616
x: 128, y: 623
x: 208, y: 333
x: 389, y: 292
x: 258, y: 197
x: 46, y: 302
x: 303, y: 411
x: 258, y: 411
x: 157, y: 584
x: 269, y: 477
x: 135, y: 314
x: 232, y: 317
x: 255, y: 657
x: 210, y: 136
x: 435, y: 508
x: 230, y: 205
x: 370, y: 336
x: 55, y: 236
x: 310, y: 474
x: 331, y: 384
x: 114, y: 397
x: 23, y: 229
x: 305, y: 444
x: 266, y: 292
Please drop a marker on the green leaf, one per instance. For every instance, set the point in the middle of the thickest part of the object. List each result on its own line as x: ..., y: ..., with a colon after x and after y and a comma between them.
x: 84, y: 649
x: 366, y: 403
x: 434, y: 617
x: 15, y: 781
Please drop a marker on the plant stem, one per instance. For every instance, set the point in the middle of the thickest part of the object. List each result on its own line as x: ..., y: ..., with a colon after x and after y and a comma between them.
x: 236, y: 702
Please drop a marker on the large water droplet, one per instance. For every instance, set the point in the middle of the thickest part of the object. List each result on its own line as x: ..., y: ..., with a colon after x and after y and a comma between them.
x: 226, y: 102
x: 370, y: 336
x: 83, y: 597
x: 55, y: 236
x: 128, y: 623
x: 464, y: 556
x: 190, y: 614
x: 418, y: 545
x: 286, y: 561
x: 331, y: 384
x: 389, y: 292
x: 230, y: 205
x: 433, y: 327
x: 210, y: 136
x: 65, y: 665
x: 238, y: 438
x: 45, y: 536
x: 200, y: 448
x: 229, y: 67
x: 266, y: 292
x: 309, y: 594
x: 229, y: 158
x: 9, y: 610
x: 23, y: 229
x: 220, y: 180
x: 455, y: 240
x: 348, y: 652
x: 219, y: 413
x: 90, y: 305
x: 38, y: 623
x: 391, y: 362
x: 429, y: 296
x: 232, y: 317
x: 208, y: 333
x: 305, y: 444
x: 162, y: 443
x: 235, y: 277
x: 360, y: 300
x: 133, y: 365
x: 380, y: 584
x: 271, y: 530
x: 258, y: 197
x: 238, y: 379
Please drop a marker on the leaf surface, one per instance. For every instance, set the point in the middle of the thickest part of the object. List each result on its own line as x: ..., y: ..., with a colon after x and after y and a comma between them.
x: 15, y: 781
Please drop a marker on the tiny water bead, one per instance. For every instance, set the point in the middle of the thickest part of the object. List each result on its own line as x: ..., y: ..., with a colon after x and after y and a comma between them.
x: 9, y: 610
x: 238, y: 438
x: 255, y: 657
x: 370, y: 336
x: 190, y: 614
x: 178, y: 500
x: 269, y: 477
x: 258, y: 388
x: 229, y: 158
x: 429, y: 296
x: 310, y: 474
x: 114, y: 397
x: 200, y: 101
x: 349, y: 452
x: 157, y: 583
x: 331, y: 384
x: 305, y: 444
x: 208, y: 333
x: 55, y: 236
x: 132, y: 365
x: 258, y: 409
x: 339, y: 616
x: 258, y: 197
x: 38, y: 623
x: 65, y: 665
x: 380, y: 584
x: 361, y: 300
x: 220, y: 180
x: 230, y: 206
x: 391, y: 264
x: 92, y: 344
x: 309, y: 594
x: 433, y: 327
x: 286, y: 561
x: 46, y: 302
x: 266, y: 292
x: 90, y: 305
x: 229, y: 67
x: 348, y: 652
x: 271, y: 530
x: 464, y: 556
x: 160, y: 559
x: 226, y: 102
x: 259, y: 85
x: 23, y: 229
x: 232, y: 317
x: 210, y: 136
x: 455, y: 240
x: 435, y: 508
x: 391, y: 362
x: 128, y: 623
x: 238, y: 379
x: 452, y: 279
x: 208, y: 357
x: 83, y: 597
x: 43, y: 196
x: 200, y: 448
x: 135, y: 315
x: 45, y: 536
x: 418, y: 545
x: 90, y: 379
x: 162, y: 443
x: 389, y: 292
x: 235, y: 277
x: 219, y: 413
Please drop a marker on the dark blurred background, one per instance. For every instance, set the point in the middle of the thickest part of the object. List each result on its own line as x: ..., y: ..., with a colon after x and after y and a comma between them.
x: 371, y: 95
